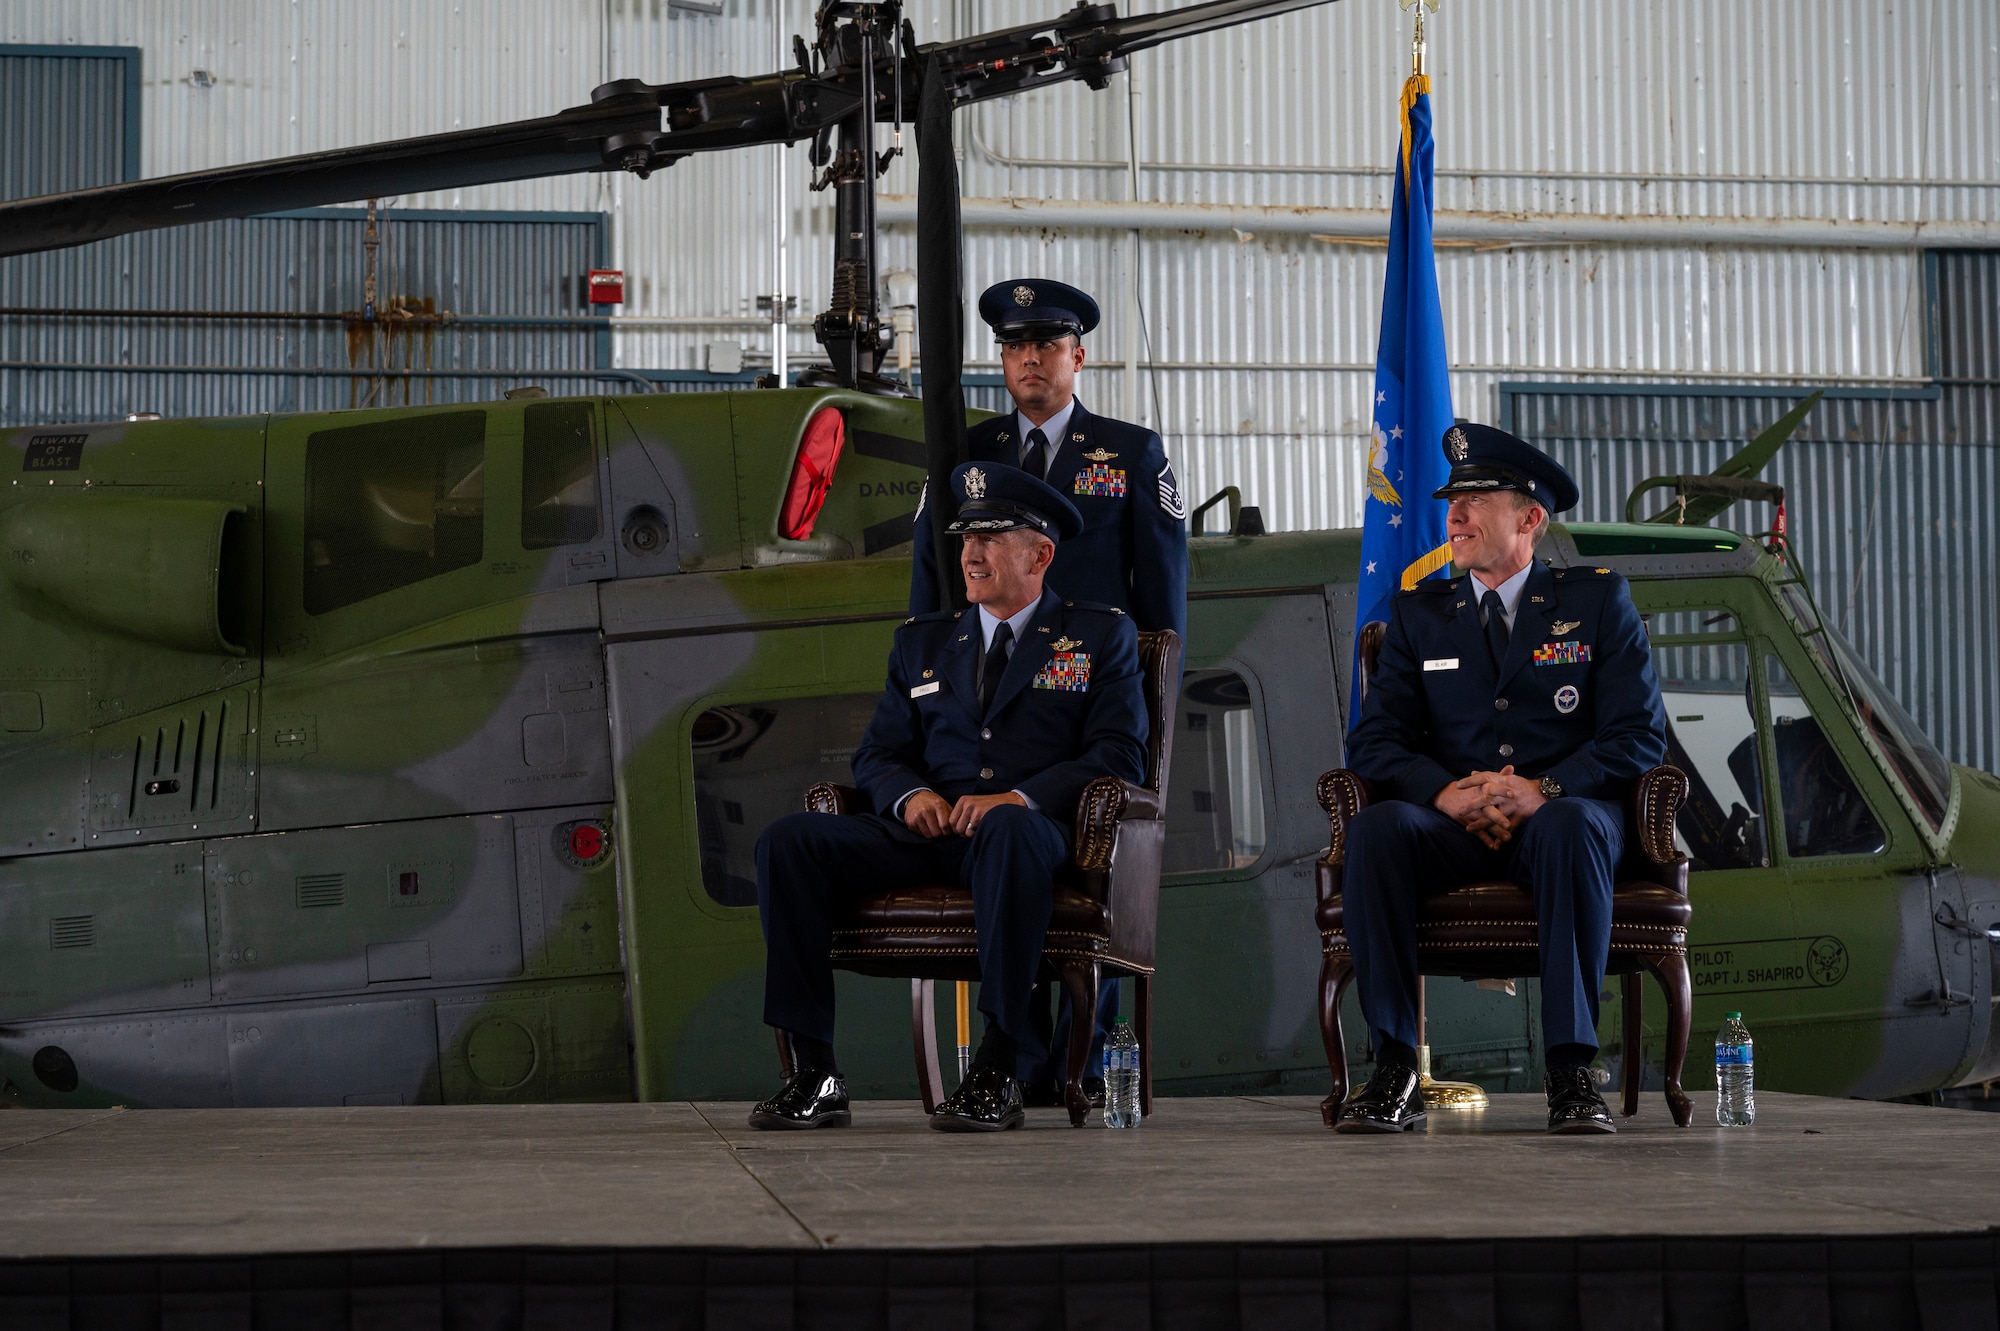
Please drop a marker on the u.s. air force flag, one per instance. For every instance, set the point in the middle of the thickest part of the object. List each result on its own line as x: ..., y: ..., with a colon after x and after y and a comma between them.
x: 1402, y: 527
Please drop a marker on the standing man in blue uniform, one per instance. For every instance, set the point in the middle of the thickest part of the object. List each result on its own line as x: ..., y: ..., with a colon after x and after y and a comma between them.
x: 1132, y: 552
x: 994, y: 721
x: 1510, y: 711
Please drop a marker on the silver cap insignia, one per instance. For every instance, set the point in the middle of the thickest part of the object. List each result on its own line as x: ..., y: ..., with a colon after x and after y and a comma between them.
x: 1456, y: 445
x: 1024, y: 296
x: 975, y: 483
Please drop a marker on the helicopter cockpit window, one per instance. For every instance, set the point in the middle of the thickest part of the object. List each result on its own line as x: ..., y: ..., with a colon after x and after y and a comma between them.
x: 558, y: 476
x: 1215, y: 794
x: 1922, y: 770
x: 391, y: 503
x: 752, y: 764
x: 1824, y: 811
x: 1712, y: 736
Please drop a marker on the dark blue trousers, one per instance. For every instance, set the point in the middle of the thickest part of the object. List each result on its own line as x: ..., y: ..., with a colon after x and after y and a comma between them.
x: 1565, y: 855
x: 806, y: 860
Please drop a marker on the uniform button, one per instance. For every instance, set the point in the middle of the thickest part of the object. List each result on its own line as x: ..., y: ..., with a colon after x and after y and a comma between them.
x: 985, y: 774
x: 986, y: 734
x: 1499, y: 704
x: 1506, y: 750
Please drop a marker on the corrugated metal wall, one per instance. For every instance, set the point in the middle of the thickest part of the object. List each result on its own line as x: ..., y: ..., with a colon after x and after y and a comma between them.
x: 1797, y: 108
x: 490, y: 266
x: 39, y: 92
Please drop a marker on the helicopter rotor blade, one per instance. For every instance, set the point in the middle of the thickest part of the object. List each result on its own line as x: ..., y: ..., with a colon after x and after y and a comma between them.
x: 561, y: 144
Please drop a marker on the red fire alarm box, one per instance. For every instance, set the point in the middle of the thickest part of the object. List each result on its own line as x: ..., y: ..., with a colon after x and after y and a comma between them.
x: 607, y: 286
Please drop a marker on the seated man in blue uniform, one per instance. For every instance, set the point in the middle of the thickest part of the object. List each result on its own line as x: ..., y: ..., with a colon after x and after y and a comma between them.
x: 1132, y: 551
x: 994, y: 721
x: 1509, y: 714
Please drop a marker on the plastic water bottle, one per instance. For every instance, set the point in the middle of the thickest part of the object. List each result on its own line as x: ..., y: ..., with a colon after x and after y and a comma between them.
x: 1735, y: 1093
x: 1121, y: 1078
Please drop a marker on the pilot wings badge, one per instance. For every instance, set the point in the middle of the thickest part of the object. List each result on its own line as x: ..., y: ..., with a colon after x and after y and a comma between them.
x: 1562, y: 626
x: 1065, y: 644
x: 975, y: 483
x: 1098, y: 454
x: 1378, y: 481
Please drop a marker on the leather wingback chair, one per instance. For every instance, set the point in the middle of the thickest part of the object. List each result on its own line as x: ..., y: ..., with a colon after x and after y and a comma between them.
x: 1102, y: 925
x: 1486, y: 930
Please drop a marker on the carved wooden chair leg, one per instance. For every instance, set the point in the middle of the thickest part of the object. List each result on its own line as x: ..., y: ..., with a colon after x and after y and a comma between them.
x: 785, y: 1064
x: 1634, y: 1057
x: 1142, y: 1018
x: 1336, y: 972
x: 1672, y: 972
x: 1080, y: 982
x: 923, y: 1031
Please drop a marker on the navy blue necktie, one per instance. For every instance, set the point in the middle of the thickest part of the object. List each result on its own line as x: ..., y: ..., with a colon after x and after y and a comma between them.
x: 1496, y: 627
x: 994, y: 666
x: 1036, y: 460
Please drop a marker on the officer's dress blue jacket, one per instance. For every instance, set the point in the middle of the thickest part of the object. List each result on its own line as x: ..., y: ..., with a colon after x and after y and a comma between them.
x: 1575, y: 699
x: 1058, y: 719
x: 1133, y: 550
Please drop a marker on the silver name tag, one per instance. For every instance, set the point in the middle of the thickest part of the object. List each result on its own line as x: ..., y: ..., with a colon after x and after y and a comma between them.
x: 923, y: 689
x: 1442, y: 663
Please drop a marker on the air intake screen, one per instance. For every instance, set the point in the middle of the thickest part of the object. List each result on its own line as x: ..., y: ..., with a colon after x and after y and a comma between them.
x: 69, y: 931
x: 321, y: 889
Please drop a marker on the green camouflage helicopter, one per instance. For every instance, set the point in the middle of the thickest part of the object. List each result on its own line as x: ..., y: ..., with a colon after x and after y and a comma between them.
x: 417, y: 756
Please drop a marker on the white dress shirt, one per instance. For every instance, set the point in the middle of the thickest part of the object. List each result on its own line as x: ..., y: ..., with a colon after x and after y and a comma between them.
x: 1510, y: 595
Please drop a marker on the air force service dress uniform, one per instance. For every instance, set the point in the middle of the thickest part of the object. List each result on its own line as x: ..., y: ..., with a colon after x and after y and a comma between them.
x: 1573, y: 701
x: 1132, y: 552
x: 1068, y: 708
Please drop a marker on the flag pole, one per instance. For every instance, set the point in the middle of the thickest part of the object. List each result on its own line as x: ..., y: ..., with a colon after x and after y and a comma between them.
x: 1437, y: 1094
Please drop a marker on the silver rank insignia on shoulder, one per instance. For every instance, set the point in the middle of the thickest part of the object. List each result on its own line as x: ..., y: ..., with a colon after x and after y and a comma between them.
x: 975, y: 483
x: 1065, y: 644
x: 1562, y: 626
x: 1171, y: 502
x: 1003, y: 436
x: 1095, y: 454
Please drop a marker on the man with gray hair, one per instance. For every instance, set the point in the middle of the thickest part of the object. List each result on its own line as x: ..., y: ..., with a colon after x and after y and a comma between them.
x: 994, y: 721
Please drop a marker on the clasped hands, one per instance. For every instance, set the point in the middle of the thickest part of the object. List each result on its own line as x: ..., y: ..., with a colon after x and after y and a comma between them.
x: 930, y: 814
x: 1490, y: 805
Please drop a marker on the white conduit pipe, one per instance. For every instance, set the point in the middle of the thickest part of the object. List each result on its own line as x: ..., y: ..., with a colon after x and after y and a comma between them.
x: 1479, y: 228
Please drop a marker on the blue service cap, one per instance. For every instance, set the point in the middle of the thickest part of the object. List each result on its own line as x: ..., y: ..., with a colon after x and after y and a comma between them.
x: 1027, y: 309
x: 993, y: 497
x: 1484, y: 459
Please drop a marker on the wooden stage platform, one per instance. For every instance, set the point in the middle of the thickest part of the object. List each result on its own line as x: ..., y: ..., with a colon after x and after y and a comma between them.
x: 1223, y: 1212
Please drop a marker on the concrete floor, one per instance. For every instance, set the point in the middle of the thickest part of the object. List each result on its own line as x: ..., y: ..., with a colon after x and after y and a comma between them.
x: 233, y: 1182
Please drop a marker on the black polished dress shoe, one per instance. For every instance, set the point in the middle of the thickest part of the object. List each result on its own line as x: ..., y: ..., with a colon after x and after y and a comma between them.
x: 808, y: 1099
x: 1575, y: 1107
x: 1392, y: 1101
x: 988, y: 1100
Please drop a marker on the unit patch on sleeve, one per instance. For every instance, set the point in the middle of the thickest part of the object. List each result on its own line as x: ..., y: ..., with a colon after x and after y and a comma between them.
x: 1102, y: 481
x: 1562, y: 653
x: 1068, y: 671
x: 1171, y: 502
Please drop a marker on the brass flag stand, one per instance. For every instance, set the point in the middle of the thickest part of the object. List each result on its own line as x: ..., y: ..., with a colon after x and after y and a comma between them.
x: 1440, y: 1094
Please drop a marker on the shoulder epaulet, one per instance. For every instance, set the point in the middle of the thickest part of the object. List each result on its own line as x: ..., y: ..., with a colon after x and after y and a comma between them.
x: 1583, y: 574
x: 933, y: 616
x: 1433, y: 586
x: 1093, y: 605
